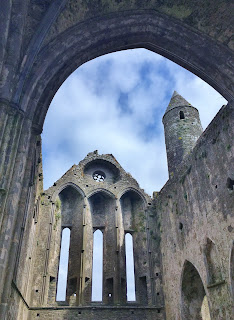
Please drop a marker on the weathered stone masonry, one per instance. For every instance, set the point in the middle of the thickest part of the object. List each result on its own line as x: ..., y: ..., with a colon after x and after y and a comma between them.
x: 190, y: 221
x: 196, y: 205
x: 179, y: 245
x: 115, y: 206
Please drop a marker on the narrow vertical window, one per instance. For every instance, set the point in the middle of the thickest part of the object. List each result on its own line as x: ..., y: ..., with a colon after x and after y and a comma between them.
x: 97, y: 274
x: 181, y: 115
x: 131, y: 291
x: 63, y: 265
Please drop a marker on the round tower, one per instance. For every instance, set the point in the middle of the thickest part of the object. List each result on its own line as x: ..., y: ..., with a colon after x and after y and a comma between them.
x: 182, y: 128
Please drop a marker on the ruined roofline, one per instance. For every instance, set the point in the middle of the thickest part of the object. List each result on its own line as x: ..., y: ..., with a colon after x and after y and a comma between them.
x: 78, y: 173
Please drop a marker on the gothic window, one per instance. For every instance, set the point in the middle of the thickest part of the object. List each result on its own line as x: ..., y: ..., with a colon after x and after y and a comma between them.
x: 97, y: 274
x: 63, y: 265
x: 182, y: 115
x: 131, y: 292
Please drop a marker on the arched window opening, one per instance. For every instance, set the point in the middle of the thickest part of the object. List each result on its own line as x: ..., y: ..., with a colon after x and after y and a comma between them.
x: 99, y: 176
x: 182, y: 115
x: 194, y: 301
x: 63, y: 265
x: 97, y: 273
x: 131, y: 291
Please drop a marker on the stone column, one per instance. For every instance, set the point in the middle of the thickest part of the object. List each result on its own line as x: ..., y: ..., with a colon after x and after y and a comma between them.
x: 80, y: 297
x: 119, y: 244
x: 15, y: 137
x: 87, y: 255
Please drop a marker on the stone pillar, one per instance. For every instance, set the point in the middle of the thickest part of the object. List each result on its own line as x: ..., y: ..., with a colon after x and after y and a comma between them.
x: 15, y: 138
x: 11, y: 120
x: 80, y: 295
x: 86, y: 262
x: 117, y: 282
x: 151, y: 284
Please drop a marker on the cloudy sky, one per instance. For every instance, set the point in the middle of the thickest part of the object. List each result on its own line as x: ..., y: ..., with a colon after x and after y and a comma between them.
x: 115, y: 104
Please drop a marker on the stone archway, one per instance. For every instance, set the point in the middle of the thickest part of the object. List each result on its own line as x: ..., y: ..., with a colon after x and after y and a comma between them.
x: 34, y: 64
x: 194, y: 304
x: 88, y: 40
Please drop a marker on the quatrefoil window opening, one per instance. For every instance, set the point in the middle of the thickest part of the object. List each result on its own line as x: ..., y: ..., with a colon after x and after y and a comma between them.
x: 99, y: 176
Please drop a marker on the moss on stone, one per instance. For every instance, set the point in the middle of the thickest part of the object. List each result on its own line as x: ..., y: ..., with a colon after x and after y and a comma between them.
x: 58, y: 204
x: 177, y: 11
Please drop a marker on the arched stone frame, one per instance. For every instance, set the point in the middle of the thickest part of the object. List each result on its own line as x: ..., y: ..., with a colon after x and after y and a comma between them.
x: 192, y: 299
x: 134, y: 222
x: 74, y: 221
x: 108, y: 168
x: 147, y: 29
x: 64, y: 186
x: 26, y: 73
x: 140, y: 194
x: 101, y: 190
x: 102, y: 206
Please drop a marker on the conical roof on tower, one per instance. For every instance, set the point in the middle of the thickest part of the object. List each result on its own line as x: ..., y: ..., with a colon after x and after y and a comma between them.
x: 177, y: 101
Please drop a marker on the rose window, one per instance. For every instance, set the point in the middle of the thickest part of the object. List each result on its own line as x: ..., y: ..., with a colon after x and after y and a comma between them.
x: 99, y: 176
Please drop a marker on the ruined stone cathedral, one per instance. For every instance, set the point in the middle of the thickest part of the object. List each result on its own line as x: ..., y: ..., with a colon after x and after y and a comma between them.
x: 182, y: 249
x: 171, y: 243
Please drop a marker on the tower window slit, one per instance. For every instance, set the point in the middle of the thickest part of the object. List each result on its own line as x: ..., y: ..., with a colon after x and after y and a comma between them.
x: 97, y: 272
x: 63, y: 265
x: 182, y: 115
x: 131, y: 291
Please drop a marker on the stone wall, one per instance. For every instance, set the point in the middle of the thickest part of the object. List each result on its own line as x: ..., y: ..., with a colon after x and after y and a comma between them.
x: 42, y: 42
x: 115, y: 206
x: 197, y: 224
x: 97, y: 313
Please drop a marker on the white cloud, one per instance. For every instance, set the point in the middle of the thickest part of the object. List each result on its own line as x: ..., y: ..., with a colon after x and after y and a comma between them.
x: 115, y: 104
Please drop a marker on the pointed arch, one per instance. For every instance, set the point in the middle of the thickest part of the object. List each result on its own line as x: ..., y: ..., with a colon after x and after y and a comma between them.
x: 192, y: 294
x: 133, y: 206
x: 122, y: 30
x: 133, y: 191
x: 101, y: 191
x: 60, y: 189
x: 67, y: 214
x: 103, y: 213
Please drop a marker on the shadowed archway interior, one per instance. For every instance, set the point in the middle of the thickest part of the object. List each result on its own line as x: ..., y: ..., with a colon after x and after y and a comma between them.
x: 193, y: 294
